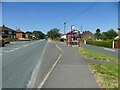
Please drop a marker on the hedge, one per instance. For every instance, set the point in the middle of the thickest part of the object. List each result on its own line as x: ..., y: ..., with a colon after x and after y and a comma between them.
x: 107, y: 43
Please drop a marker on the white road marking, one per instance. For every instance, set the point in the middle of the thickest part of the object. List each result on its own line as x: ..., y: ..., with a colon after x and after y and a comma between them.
x: 5, y: 51
x: 0, y: 54
x: 26, y: 45
x: 48, y: 74
x: 14, y: 49
x: 35, y: 71
x: 109, y: 49
x: 59, y: 47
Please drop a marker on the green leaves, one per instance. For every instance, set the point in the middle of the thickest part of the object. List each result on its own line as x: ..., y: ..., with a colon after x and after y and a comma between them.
x: 54, y: 33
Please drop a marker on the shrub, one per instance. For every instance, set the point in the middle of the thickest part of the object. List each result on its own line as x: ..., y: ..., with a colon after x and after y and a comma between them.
x: 107, y: 43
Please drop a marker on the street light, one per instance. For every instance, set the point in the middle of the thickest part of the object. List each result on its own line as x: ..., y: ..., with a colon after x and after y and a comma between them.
x: 64, y: 27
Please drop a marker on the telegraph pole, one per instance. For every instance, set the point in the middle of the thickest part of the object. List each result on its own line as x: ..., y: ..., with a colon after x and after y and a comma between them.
x: 64, y: 27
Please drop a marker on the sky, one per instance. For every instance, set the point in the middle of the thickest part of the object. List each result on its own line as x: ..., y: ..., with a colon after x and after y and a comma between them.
x: 43, y: 16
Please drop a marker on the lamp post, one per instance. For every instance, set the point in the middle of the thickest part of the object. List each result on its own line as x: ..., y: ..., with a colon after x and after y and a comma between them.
x: 64, y: 27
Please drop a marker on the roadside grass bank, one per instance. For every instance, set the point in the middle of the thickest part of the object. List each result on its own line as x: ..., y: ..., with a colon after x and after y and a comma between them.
x: 96, y: 56
x: 106, y: 75
x: 58, y: 41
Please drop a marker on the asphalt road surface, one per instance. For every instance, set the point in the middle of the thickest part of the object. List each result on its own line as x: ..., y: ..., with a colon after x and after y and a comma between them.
x: 18, y: 62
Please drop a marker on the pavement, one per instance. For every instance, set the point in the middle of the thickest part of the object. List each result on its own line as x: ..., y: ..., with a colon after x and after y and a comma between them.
x: 71, y: 71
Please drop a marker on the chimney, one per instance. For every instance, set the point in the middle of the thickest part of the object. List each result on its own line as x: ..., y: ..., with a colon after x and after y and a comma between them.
x: 119, y: 32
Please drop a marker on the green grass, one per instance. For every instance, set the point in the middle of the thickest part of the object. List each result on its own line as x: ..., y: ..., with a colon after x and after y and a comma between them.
x: 106, y: 75
x: 96, y: 56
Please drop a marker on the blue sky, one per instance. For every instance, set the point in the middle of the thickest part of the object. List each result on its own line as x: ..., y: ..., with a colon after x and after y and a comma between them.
x: 46, y: 15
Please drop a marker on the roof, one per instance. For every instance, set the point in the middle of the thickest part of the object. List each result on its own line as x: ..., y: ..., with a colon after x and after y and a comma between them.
x: 3, y: 28
x: 19, y: 31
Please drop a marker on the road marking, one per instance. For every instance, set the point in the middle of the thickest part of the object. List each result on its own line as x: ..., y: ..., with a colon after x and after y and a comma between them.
x: 26, y: 45
x: 48, y: 74
x: 0, y: 54
x: 59, y: 47
x: 109, y: 49
x: 13, y: 49
x: 35, y: 71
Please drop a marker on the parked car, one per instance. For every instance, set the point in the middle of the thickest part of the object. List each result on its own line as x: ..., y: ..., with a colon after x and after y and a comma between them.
x: 2, y: 43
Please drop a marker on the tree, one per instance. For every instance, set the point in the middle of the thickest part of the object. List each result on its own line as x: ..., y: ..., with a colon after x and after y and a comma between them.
x: 39, y: 34
x: 111, y: 34
x: 54, y: 33
x: 98, y: 34
x: 104, y: 35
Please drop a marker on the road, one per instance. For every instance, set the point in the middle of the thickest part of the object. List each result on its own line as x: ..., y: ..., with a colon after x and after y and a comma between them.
x: 106, y: 51
x: 18, y: 62
x: 26, y: 64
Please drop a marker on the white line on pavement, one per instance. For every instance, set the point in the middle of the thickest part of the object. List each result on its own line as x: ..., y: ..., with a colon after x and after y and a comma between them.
x: 14, y: 49
x: 0, y: 54
x: 59, y: 47
x: 48, y: 74
x: 35, y: 71
x: 109, y: 49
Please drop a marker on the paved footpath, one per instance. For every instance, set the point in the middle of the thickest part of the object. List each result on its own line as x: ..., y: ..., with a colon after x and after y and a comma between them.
x: 72, y: 71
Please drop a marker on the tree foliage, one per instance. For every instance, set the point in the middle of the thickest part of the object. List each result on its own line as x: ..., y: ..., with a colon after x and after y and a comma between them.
x: 98, y: 34
x: 110, y: 34
x: 39, y: 34
x: 54, y: 33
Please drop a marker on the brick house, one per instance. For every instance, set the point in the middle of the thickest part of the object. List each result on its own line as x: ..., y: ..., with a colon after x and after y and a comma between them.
x: 20, y: 34
x: 117, y: 40
x: 7, y: 32
x: 87, y: 35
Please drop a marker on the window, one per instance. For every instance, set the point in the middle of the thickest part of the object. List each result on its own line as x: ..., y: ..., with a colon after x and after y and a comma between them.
x: 9, y: 32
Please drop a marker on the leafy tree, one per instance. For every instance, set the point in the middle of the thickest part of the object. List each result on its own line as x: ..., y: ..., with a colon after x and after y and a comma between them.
x: 54, y: 33
x: 98, y: 34
x: 111, y: 34
x: 104, y: 35
x: 39, y: 34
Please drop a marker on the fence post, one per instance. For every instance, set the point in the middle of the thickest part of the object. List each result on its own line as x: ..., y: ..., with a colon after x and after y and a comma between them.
x: 84, y: 41
x: 113, y: 44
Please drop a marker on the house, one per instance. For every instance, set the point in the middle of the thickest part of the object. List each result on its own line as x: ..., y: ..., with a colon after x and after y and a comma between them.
x: 20, y: 34
x: 26, y: 35
x: 87, y: 35
x: 7, y: 32
x: 116, y: 42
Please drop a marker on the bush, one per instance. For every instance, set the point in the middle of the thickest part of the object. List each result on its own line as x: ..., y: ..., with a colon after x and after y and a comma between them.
x: 107, y: 43
x: 8, y: 40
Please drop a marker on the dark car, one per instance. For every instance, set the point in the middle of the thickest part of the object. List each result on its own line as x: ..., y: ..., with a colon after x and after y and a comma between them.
x: 2, y: 43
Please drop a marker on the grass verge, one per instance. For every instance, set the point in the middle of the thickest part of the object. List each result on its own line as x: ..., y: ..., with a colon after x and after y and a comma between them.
x: 96, y: 56
x: 106, y: 75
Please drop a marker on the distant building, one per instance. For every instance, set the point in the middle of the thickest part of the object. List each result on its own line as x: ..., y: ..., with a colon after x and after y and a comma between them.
x: 117, y: 40
x: 26, y: 35
x: 20, y: 34
x: 73, y: 38
x: 88, y: 35
x: 7, y: 32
